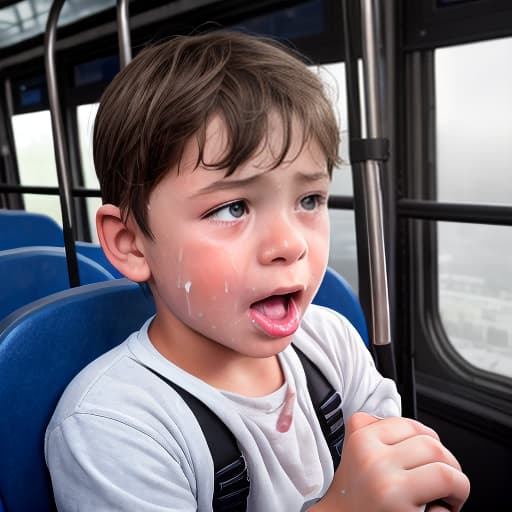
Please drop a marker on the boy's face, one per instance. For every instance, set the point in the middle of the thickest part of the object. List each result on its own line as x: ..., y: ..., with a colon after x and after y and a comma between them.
x: 237, y: 260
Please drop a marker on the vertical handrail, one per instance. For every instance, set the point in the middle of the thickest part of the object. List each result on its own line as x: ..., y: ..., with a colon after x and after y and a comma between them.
x: 366, y: 154
x: 349, y: 17
x: 381, y: 336
x: 123, y: 30
x: 59, y: 146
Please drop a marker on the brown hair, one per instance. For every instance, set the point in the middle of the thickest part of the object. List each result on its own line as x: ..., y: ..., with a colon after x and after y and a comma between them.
x: 170, y: 91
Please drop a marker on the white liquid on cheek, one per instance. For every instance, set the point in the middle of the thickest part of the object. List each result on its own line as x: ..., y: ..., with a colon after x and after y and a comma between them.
x: 226, y: 288
x: 187, y: 287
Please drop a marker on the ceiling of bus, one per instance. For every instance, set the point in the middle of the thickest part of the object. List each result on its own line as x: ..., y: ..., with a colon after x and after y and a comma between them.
x: 27, y: 18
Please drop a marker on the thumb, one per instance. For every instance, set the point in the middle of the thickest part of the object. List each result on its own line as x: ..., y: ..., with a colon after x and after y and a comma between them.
x: 359, y: 420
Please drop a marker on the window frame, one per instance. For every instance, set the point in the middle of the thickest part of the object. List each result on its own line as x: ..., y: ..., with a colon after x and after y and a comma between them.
x: 437, y: 362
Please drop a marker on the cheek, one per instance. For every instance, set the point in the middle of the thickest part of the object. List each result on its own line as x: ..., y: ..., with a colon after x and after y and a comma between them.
x: 320, y: 237
x: 208, y: 281
x: 319, y: 250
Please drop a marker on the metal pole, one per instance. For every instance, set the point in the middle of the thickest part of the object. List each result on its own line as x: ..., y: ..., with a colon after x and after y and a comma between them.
x: 381, y: 335
x: 350, y: 15
x: 380, y: 300
x: 123, y: 30
x: 59, y: 146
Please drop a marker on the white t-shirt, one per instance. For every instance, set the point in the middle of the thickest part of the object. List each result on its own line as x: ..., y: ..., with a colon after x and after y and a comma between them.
x: 121, y: 439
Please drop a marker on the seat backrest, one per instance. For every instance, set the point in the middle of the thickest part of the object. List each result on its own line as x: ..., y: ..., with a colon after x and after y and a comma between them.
x: 46, y: 343
x: 336, y: 293
x: 95, y: 253
x: 42, y: 347
x: 29, y: 273
x: 19, y: 228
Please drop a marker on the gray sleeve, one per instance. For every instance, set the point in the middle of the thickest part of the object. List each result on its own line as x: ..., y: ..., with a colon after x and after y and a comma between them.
x: 336, y: 346
x: 364, y: 387
x: 101, y: 464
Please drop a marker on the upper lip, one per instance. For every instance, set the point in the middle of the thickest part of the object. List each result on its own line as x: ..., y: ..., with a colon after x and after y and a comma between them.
x: 288, y: 290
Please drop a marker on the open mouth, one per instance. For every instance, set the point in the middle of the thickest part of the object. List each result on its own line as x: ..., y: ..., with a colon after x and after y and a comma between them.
x: 276, y: 315
x: 274, y: 307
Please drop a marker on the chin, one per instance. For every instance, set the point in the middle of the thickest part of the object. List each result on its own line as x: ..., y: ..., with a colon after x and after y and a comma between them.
x: 268, y: 347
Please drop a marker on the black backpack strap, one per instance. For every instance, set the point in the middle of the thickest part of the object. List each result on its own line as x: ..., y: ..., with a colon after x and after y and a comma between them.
x: 231, y: 483
x: 327, y: 404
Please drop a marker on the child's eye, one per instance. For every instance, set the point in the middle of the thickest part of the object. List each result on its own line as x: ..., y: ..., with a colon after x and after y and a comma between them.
x: 229, y: 212
x: 312, y: 202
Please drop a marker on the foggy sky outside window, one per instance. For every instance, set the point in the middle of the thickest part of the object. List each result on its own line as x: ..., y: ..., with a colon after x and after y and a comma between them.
x: 474, y: 164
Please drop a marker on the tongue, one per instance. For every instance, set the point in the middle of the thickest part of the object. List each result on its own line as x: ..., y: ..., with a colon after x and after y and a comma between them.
x: 274, y: 307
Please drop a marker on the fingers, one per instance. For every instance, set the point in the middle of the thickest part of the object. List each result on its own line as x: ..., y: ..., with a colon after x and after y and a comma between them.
x: 421, y: 450
x: 438, y: 481
x: 388, y: 431
x: 359, y: 420
x: 398, y: 463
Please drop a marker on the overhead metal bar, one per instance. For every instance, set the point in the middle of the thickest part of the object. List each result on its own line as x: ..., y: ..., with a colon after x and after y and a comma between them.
x: 455, y: 212
x: 341, y: 202
x: 47, y: 191
x: 123, y: 33
x: 59, y: 143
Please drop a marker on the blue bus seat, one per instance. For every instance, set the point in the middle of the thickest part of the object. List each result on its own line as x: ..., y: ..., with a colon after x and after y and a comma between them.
x: 46, y: 343
x: 336, y: 293
x: 95, y: 253
x: 42, y: 347
x: 29, y: 273
x: 19, y: 228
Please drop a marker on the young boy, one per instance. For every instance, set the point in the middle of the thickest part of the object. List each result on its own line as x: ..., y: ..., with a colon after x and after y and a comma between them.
x: 214, y: 155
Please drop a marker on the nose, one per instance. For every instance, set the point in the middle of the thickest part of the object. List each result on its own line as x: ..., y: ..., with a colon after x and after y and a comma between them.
x: 282, y: 242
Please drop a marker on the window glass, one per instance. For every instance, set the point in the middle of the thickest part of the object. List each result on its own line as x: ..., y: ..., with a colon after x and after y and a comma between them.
x: 475, y: 293
x: 36, y: 160
x: 98, y: 71
x: 85, y: 119
x: 473, y: 111
x: 343, y: 254
x: 333, y: 75
x: 301, y: 21
x: 343, y: 250
x: 27, y: 18
x: 30, y: 93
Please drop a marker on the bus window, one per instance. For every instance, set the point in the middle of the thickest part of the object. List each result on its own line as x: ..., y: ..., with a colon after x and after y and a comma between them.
x: 343, y: 255
x: 475, y: 293
x: 26, y: 18
x: 36, y: 160
x: 473, y: 111
x: 85, y: 119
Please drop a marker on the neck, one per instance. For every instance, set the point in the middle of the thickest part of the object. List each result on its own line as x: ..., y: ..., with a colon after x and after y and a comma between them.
x: 216, y: 364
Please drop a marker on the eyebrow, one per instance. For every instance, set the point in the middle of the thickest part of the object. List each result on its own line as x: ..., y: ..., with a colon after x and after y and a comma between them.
x: 223, y: 184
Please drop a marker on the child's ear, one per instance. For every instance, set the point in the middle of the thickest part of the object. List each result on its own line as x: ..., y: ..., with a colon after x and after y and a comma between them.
x: 119, y: 241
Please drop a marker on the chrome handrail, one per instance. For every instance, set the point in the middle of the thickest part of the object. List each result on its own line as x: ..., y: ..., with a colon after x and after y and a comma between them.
x: 59, y: 143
